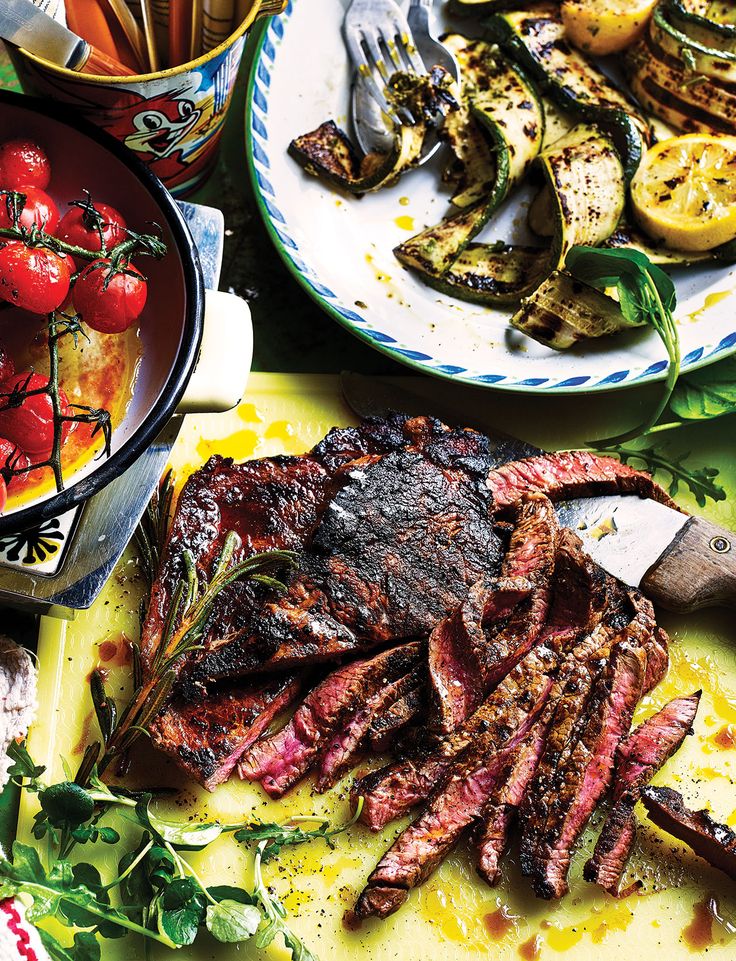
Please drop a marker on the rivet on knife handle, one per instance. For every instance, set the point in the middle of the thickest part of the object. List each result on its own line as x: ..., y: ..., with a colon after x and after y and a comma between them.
x: 697, y: 570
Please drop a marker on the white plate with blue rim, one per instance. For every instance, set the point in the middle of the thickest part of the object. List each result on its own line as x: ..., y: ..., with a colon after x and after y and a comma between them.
x: 339, y: 247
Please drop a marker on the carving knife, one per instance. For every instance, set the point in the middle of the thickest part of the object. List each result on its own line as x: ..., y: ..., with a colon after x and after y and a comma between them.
x: 682, y: 563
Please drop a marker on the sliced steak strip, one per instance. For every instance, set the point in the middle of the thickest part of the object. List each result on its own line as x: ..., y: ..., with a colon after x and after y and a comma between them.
x: 278, y: 762
x: 428, y: 840
x: 639, y: 757
x: 577, y: 784
x: 398, y: 548
x: 520, y: 767
x: 498, y: 623
x: 714, y: 842
x: 582, y: 593
x: 207, y: 738
x: 501, y: 720
x: 341, y: 753
x: 403, y: 713
x: 570, y: 474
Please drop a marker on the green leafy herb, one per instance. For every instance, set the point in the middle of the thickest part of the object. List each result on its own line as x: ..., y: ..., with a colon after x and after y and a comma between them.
x: 275, y: 913
x: 232, y: 921
x: 646, y: 296
x: 192, y: 835
x: 706, y: 393
x: 278, y: 836
x: 700, y: 481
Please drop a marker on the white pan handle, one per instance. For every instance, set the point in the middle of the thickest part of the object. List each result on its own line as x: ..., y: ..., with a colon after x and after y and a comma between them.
x: 221, y: 374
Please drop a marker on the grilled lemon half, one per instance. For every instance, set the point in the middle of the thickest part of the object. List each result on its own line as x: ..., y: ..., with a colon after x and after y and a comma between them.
x: 684, y: 192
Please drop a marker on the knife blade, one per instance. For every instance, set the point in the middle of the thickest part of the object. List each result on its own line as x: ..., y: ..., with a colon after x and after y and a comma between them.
x: 682, y: 562
x: 24, y: 24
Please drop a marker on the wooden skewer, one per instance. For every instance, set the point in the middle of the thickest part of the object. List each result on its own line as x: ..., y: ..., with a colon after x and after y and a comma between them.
x: 180, y: 23
x: 196, y: 45
x: 130, y: 28
x: 149, y: 30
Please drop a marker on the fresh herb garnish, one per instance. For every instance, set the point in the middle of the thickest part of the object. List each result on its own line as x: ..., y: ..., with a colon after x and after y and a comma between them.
x: 700, y: 481
x: 158, y: 893
x: 706, y: 393
x: 646, y: 295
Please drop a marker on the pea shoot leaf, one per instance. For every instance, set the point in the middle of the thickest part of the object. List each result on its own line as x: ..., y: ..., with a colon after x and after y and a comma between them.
x: 84, y: 948
x: 181, y: 908
x: 191, y: 835
x: 231, y: 921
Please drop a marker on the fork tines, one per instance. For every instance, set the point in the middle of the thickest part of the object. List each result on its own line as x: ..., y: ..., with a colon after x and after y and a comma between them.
x: 380, y: 43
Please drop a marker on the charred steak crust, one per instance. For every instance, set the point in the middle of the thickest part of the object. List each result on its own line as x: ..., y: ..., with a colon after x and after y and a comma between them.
x: 712, y: 841
x: 207, y: 738
x: 397, y: 548
x: 639, y: 757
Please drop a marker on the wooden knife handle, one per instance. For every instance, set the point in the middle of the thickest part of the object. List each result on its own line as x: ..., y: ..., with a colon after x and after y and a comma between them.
x: 697, y: 570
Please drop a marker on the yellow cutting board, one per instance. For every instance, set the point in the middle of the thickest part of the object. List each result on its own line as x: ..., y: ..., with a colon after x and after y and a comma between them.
x: 454, y: 915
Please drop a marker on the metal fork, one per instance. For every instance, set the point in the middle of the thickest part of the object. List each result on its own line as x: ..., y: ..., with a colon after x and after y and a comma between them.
x: 380, y: 41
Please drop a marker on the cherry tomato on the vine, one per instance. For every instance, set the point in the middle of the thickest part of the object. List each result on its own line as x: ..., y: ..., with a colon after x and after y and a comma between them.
x: 29, y: 422
x: 78, y: 227
x: 23, y: 164
x: 34, y: 278
x: 12, y: 457
x: 110, y: 300
x: 39, y: 209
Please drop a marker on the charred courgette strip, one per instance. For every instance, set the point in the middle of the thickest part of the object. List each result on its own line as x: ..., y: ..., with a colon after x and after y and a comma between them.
x: 506, y: 106
x: 671, y: 91
x: 536, y: 38
x: 563, y: 311
x: 699, y: 59
x: 701, y: 23
x: 327, y: 152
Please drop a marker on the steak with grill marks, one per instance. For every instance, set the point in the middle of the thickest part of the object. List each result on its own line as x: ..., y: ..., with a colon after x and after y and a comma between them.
x: 581, y: 594
x: 639, y: 757
x: 498, y: 623
x: 399, y: 545
x: 281, y: 760
x: 499, y: 813
x: 403, y: 713
x: 570, y: 474
x: 712, y: 841
x: 207, y: 738
x: 577, y: 767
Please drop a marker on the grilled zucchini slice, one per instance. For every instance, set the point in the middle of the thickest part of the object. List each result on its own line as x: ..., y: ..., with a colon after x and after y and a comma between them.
x: 700, y: 60
x: 505, y: 105
x: 536, y: 38
x: 701, y: 23
x: 563, y: 311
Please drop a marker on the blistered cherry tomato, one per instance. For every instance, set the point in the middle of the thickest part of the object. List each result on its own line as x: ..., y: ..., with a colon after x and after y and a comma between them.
x: 34, y: 278
x: 110, y: 302
x: 39, y: 209
x: 23, y: 163
x: 78, y: 226
x: 12, y: 456
x: 29, y: 423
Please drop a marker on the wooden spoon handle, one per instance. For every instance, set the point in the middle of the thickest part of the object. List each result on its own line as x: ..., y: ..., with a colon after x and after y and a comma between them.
x: 101, y: 64
x: 697, y: 570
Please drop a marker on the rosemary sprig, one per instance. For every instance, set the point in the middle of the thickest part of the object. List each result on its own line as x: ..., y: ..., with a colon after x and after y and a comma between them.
x: 185, y: 626
x: 153, y: 528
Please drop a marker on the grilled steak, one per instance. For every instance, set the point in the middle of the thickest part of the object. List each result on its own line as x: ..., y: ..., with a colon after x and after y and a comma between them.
x: 207, y: 738
x: 498, y: 622
x: 340, y: 754
x: 428, y: 840
x: 508, y: 794
x: 639, y: 757
x: 278, y: 762
x: 714, y: 842
x: 577, y: 766
x: 400, y: 545
x: 582, y: 593
x: 397, y: 717
x: 570, y: 474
